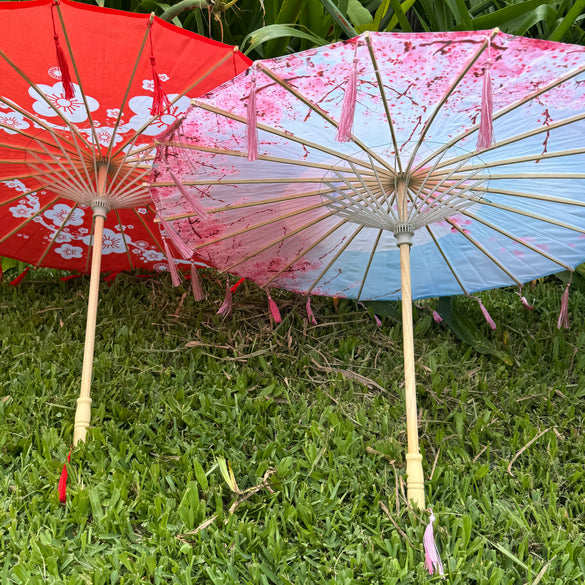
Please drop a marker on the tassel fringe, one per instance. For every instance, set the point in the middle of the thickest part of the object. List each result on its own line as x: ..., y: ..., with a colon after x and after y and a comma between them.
x: 486, y: 128
x: 432, y: 558
x: 310, y: 314
x: 191, y: 199
x: 563, y: 322
x: 62, y: 486
x: 348, y: 107
x: 196, y: 285
x: 68, y: 88
x: 252, y: 135
x: 226, y: 307
x: 436, y: 317
x: 160, y: 100
x: 183, y: 249
x: 274, y: 310
x: 236, y: 286
x: 487, y: 316
x: 20, y: 277
x: 175, y: 278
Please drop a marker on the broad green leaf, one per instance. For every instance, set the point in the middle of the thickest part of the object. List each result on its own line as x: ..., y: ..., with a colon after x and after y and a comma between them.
x: 577, y: 10
x: 358, y: 14
x: 339, y: 18
x: 467, y: 332
x: 274, y: 31
x: 390, y: 309
x: 379, y: 22
x: 500, y: 18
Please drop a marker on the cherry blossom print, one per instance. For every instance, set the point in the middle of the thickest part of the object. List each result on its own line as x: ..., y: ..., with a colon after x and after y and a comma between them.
x: 11, y: 121
x: 67, y: 252
x: 52, y: 102
x: 15, y: 184
x: 153, y: 256
x: 26, y: 207
x: 55, y: 73
x: 113, y: 113
x: 105, y: 136
x: 60, y: 213
x: 148, y: 84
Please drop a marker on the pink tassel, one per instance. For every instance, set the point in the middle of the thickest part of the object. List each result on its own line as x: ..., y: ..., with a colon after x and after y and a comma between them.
x: 348, y: 107
x: 378, y: 320
x: 236, y: 286
x: 183, y: 249
x: 160, y: 101
x: 20, y: 277
x: 68, y: 88
x: 226, y: 306
x: 62, y: 486
x: 196, y: 285
x: 524, y: 301
x: 564, y: 314
x: 274, y: 310
x: 310, y: 314
x: 252, y: 121
x: 191, y: 199
x: 486, y: 128
x: 175, y: 278
x: 432, y: 559
x: 489, y: 320
x: 437, y: 318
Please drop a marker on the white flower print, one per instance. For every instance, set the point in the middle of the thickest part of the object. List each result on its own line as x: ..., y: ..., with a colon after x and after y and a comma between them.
x: 113, y: 113
x: 16, y: 185
x: 160, y: 267
x: 59, y: 213
x: 153, y: 256
x: 55, y: 73
x: 104, y: 135
x: 141, y: 105
x: 12, y: 119
x: 148, y: 84
x: 21, y: 211
x: 64, y: 237
x: 112, y: 242
x: 142, y: 210
x: 68, y: 252
x: 73, y: 109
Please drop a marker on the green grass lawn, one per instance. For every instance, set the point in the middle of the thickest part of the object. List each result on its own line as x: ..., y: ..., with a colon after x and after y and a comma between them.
x: 311, y: 421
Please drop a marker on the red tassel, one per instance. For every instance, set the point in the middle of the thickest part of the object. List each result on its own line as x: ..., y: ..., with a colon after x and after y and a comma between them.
x: 191, y: 199
x: 160, y: 101
x: 348, y: 107
x: 196, y: 285
x: 432, y: 558
x: 20, y: 277
x: 70, y: 277
x: 236, y: 286
x: 563, y: 321
x: 68, y: 88
x: 175, y: 278
x: 489, y: 320
x: 310, y: 314
x: 274, y: 310
x: 252, y: 135
x: 486, y: 128
x: 226, y: 306
x: 62, y: 486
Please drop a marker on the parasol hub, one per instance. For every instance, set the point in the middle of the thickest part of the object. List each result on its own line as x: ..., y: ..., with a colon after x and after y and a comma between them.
x: 100, y: 207
x: 403, y: 233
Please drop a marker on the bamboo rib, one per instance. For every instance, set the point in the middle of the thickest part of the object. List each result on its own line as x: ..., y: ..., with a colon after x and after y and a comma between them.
x: 303, y: 253
x: 17, y: 197
x: 315, y: 108
x: 183, y: 93
x: 483, y: 251
x: 516, y: 239
x: 278, y: 241
x: 444, y: 256
x: 559, y: 81
x: 519, y: 137
x: 242, y: 154
x: 532, y: 215
x: 384, y: 100
x: 536, y: 196
x: 56, y: 235
x: 334, y: 259
x: 468, y: 65
x: 521, y: 159
x: 123, y: 234
x: 147, y: 228
x: 260, y: 225
x: 28, y: 220
x: 291, y: 137
x: 370, y: 260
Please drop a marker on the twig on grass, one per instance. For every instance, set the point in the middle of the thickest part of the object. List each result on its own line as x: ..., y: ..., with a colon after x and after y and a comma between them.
x: 401, y: 532
x: 524, y: 449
